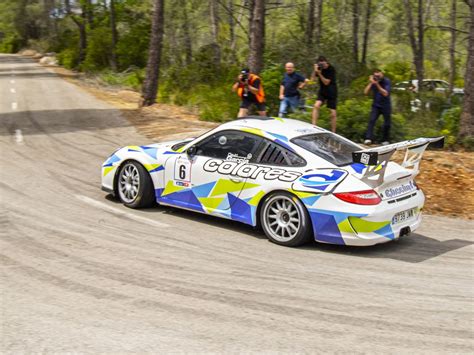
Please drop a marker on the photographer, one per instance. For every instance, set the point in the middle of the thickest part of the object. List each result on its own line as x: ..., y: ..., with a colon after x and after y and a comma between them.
x: 381, y: 105
x: 326, y: 74
x: 289, y: 94
x: 250, y: 89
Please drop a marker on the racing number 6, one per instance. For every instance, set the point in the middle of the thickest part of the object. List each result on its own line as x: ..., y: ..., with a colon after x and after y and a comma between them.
x: 182, y: 170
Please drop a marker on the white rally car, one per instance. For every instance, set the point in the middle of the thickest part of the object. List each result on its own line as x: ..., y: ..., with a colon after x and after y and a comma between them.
x: 297, y: 181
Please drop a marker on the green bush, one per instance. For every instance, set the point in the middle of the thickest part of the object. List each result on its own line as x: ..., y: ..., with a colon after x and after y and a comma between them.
x: 131, y: 79
x: 450, y: 122
x: 68, y: 58
x: 271, y: 79
x: 398, y: 71
x: 98, y: 51
x: 468, y: 143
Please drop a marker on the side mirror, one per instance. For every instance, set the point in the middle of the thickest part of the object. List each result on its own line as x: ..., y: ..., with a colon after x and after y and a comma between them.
x: 191, y: 151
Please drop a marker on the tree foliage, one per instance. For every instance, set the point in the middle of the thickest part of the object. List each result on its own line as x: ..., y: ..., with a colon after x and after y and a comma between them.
x: 205, y: 43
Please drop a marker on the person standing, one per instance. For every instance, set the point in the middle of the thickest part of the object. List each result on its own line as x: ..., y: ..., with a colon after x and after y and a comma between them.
x: 289, y: 94
x: 326, y: 74
x: 250, y: 90
x: 380, y: 87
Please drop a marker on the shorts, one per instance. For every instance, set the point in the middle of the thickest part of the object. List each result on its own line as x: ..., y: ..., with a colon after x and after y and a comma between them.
x: 246, y: 104
x: 331, y: 102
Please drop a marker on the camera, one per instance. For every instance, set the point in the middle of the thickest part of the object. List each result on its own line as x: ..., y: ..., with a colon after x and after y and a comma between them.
x: 245, y: 77
x: 320, y: 66
x: 377, y: 78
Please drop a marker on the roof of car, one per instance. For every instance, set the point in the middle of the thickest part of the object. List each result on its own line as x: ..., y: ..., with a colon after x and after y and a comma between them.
x: 275, y: 126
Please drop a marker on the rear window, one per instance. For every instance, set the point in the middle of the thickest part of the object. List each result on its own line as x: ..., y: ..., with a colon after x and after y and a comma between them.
x: 328, y: 146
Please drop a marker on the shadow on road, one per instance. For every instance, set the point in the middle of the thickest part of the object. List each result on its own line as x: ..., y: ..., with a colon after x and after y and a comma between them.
x: 15, y: 59
x: 19, y: 69
x: 415, y: 248
x: 39, y: 74
x: 59, y: 121
x: 199, y: 218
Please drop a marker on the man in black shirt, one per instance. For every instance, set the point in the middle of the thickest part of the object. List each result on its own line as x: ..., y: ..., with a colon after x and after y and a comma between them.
x: 289, y: 94
x: 327, y: 94
x: 380, y: 87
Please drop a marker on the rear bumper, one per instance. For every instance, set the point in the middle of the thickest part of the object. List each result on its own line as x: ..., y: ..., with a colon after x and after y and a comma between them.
x: 365, y: 225
x: 368, y: 239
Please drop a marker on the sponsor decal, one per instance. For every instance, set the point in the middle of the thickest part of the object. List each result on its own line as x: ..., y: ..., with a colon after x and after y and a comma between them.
x: 321, y: 181
x: 400, y: 190
x: 305, y: 130
x: 182, y: 183
x: 237, y: 158
x: 249, y: 171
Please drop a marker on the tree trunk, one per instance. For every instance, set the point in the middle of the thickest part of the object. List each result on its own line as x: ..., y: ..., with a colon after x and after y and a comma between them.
x: 452, y: 46
x: 319, y: 26
x: 113, y: 27
x: 257, y: 36
x: 420, y: 66
x: 355, y: 31
x: 238, y: 20
x: 416, y: 42
x: 365, y: 43
x: 48, y: 6
x: 188, y: 46
x: 310, y: 24
x: 466, y: 125
x: 214, y: 17
x: 81, y: 25
x: 89, y: 10
x: 232, y: 38
x: 150, y: 86
x: 82, y: 39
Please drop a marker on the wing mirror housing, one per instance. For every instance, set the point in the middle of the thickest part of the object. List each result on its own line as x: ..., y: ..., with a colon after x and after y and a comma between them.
x: 191, y: 151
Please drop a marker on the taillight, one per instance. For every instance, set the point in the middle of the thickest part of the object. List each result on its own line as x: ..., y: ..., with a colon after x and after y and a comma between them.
x: 366, y: 197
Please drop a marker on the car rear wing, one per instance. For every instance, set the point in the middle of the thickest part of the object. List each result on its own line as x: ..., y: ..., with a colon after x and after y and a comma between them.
x: 376, y: 159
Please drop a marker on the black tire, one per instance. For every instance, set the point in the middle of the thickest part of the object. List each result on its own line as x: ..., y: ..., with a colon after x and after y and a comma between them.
x: 134, y: 186
x: 285, y: 220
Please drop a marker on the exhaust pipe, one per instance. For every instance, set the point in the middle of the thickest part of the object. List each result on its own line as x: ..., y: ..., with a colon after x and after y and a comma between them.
x: 405, y: 231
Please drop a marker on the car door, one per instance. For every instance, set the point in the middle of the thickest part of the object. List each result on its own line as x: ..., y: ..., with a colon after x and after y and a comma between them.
x: 206, y: 180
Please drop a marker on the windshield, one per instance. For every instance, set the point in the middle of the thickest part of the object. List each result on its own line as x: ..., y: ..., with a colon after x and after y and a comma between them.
x: 329, y: 146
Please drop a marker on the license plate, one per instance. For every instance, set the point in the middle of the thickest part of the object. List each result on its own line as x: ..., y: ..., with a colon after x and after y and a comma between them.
x: 403, y: 216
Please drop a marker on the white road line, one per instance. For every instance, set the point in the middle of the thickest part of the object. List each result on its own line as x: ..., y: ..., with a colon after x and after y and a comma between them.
x: 12, y: 90
x: 12, y: 81
x: 14, y: 105
x: 18, y: 136
x: 120, y: 212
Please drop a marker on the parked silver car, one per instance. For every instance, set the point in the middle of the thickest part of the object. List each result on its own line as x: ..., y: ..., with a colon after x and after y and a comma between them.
x: 436, y: 85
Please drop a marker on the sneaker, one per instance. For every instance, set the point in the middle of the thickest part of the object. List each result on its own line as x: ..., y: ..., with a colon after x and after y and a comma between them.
x: 367, y: 142
x: 386, y: 143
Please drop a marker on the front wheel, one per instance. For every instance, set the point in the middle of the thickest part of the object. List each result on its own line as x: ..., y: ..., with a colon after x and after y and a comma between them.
x: 134, y: 186
x: 285, y: 220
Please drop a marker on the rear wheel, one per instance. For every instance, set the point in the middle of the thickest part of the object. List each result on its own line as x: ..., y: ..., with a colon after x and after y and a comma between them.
x: 284, y: 220
x: 134, y: 186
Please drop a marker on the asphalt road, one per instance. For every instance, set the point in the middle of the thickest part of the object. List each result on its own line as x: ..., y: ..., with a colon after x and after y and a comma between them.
x: 82, y: 273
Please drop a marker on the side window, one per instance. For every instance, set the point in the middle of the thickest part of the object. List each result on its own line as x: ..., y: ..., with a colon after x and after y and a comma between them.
x: 229, y: 145
x: 274, y: 154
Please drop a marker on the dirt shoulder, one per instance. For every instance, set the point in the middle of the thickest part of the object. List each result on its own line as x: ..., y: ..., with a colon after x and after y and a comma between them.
x: 447, y: 178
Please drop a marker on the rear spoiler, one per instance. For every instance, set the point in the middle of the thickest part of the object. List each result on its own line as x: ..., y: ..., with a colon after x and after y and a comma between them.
x: 376, y: 159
